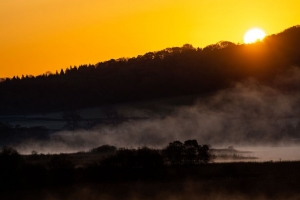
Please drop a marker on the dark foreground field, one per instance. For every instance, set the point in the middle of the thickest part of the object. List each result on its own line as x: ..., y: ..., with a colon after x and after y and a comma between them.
x: 269, y: 180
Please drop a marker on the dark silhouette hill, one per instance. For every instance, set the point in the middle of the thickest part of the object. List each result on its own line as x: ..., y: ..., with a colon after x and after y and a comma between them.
x: 171, y: 72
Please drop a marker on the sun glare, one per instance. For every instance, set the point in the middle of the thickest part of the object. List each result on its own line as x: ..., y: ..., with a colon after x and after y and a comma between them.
x: 254, y: 35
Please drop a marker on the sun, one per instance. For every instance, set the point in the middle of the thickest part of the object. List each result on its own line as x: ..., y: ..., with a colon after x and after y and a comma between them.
x: 254, y: 35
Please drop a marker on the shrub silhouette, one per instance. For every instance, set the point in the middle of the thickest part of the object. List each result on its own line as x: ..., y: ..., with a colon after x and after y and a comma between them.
x: 148, y: 158
x: 11, y: 165
x: 10, y: 160
x: 131, y: 158
x: 104, y: 149
x: 123, y: 158
x: 61, y: 170
x: 60, y: 162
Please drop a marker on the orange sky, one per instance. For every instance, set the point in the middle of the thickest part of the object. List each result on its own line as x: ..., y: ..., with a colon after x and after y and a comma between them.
x: 46, y: 35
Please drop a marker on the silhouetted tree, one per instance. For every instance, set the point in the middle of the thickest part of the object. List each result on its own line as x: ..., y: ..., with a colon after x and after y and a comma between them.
x: 191, y: 152
x: 174, y: 153
x: 204, y: 155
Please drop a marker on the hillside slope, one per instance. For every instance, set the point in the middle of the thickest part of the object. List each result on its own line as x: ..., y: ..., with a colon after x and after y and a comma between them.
x: 171, y: 72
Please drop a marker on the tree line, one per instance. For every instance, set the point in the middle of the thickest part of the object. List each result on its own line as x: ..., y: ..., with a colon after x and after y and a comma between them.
x: 10, y: 135
x: 114, y: 164
x: 170, y: 72
x: 175, y: 154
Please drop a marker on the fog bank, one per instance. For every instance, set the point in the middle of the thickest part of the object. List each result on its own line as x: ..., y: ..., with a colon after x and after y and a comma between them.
x: 247, y: 114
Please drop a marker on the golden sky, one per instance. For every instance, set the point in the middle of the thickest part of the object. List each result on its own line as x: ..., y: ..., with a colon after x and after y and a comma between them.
x: 46, y: 35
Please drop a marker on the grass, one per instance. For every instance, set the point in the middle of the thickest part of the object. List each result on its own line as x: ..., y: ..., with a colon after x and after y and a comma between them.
x: 244, y: 180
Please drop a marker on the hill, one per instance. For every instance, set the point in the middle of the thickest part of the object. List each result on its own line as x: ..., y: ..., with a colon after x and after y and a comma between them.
x: 171, y: 72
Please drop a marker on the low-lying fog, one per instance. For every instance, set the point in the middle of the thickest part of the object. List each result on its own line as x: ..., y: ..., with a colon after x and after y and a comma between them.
x: 264, y: 153
x: 279, y: 153
x: 250, y: 116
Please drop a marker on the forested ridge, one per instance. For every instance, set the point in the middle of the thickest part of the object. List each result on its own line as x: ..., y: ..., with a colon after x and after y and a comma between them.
x: 171, y: 72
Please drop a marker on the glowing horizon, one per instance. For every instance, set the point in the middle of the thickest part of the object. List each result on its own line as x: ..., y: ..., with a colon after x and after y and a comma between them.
x: 39, y: 36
